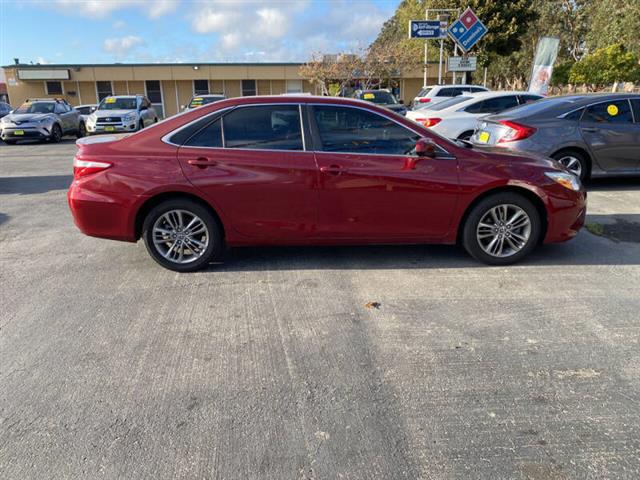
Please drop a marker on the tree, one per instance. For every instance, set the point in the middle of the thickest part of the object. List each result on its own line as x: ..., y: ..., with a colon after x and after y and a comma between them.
x: 613, y: 21
x: 606, y: 66
x: 325, y: 70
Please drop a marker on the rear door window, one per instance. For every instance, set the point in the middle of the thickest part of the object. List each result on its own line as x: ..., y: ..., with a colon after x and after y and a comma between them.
x: 448, y: 92
x: 270, y: 127
x: 618, y: 111
x: 209, y: 136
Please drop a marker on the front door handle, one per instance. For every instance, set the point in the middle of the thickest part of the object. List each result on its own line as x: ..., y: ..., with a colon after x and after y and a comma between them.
x: 333, y: 170
x: 589, y: 129
x: 202, y: 162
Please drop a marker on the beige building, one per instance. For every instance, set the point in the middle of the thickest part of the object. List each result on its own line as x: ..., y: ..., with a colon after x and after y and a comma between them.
x: 168, y: 86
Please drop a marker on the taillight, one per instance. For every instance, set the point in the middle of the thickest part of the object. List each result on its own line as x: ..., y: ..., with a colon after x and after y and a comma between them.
x: 84, y: 167
x: 517, y: 132
x: 424, y: 100
x: 429, y: 122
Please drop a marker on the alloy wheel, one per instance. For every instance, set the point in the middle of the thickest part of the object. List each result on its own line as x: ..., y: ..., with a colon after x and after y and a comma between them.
x: 180, y: 236
x: 503, y: 230
x: 572, y: 164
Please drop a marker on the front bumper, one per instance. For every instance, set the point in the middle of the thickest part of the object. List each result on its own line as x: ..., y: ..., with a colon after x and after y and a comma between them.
x: 29, y: 131
x: 566, y: 216
x: 112, y: 127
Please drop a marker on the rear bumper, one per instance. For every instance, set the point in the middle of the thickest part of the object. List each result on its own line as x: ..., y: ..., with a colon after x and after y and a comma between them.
x: 102, y: 215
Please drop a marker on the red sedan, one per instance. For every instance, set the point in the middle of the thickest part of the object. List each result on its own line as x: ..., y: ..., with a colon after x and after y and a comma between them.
x: 314, y: 170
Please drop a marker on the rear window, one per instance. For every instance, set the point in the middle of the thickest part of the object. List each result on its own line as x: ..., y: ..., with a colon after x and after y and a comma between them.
x: 450, y: 102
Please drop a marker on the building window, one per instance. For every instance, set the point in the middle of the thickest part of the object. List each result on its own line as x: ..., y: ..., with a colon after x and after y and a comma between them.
x: 248, y: 88
x: 54, y: 88
x: 104, y: 90
x: 294, y: 86
x: 154, y: 94
x: 200, y: 87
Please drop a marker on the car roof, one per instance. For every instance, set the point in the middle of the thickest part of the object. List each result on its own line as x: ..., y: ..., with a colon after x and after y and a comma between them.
x: 493, y: 93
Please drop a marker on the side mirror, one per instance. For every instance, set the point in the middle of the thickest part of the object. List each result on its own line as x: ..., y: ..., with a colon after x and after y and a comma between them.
x: 182, y: 107
x: 401, y: 101
x: 425, y: 148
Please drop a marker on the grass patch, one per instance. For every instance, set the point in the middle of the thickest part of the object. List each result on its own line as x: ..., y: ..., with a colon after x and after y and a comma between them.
x: 595, y: 228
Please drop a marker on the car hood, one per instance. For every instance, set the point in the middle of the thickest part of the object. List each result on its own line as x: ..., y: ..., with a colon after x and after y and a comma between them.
x: 113, y: 113
x: 27, y: 117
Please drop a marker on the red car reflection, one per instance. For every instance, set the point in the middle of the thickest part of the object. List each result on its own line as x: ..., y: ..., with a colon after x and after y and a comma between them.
x: 314, y: 171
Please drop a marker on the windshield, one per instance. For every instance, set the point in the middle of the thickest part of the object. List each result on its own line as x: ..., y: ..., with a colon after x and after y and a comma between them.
x: 379, y: 97
x: 449, y: 102
x: 113, y: 103
x: 199, y: 101
x: 36, y: 107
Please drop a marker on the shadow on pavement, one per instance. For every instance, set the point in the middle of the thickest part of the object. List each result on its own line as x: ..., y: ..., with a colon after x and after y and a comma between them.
x: 613, y: 184
x: 34, y: 184
x: 3, y: 218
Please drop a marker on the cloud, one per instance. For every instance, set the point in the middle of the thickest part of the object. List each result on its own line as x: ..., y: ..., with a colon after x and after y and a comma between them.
x: 122, y: 47
x: 104, y: 8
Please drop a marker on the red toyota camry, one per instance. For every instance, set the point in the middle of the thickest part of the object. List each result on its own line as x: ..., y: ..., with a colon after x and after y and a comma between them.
x: 314, y: 170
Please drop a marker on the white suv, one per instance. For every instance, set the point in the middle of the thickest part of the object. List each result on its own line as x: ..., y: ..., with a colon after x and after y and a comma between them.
x: 437, y: 93
x: 121, y: 113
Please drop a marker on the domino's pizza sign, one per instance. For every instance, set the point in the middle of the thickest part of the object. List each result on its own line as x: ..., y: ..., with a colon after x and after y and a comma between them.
x: 467, y: 30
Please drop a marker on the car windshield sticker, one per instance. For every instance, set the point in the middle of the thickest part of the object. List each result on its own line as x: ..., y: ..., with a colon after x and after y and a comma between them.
x: 110, y: 100
x: 368, y: 96
x: 196, y: 101
x: 612, y: 110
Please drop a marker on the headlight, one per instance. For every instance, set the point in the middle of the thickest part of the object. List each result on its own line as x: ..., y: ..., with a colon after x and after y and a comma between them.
x: 131, y: 117
x: 42, y: 120
x: 567, y: 180
x: 5, y: 120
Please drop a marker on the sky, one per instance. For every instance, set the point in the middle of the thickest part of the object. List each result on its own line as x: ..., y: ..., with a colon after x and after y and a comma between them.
x: 150, y: 31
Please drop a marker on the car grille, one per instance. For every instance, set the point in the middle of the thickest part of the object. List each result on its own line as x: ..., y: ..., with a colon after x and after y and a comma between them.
x: 108, y: 120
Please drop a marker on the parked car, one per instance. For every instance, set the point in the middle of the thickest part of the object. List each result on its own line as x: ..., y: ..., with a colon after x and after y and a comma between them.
x: 591, y: 135
x: 43, y: 119
x: 200, y: 100
x: 314, y: 170
x: 121, y: 113
x: 384, y: 98
x: 5, y: 109
x: 86, y: 110
x: 457, y: 117
x: 438, y: 93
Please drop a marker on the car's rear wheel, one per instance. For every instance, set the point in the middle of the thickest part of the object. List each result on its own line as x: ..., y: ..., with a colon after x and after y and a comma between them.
x: 502, y: 229
x: 82, y: 130
x: 10, y: 142
x: 573, y: 161
x: 182, y: 235
x: 56, y: 133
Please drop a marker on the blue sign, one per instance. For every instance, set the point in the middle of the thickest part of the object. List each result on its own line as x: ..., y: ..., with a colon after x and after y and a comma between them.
x: 425, y: 29
x: 467, y: 30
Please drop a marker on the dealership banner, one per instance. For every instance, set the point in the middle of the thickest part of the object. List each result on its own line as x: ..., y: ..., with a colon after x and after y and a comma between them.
x: 546, y: 54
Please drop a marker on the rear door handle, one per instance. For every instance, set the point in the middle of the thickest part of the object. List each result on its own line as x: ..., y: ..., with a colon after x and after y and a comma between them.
x: 333, y: 170
x: 202, y: 162
x: 589, y: 129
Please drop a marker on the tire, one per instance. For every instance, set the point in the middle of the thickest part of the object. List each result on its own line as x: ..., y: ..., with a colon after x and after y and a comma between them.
x: 10, y: 142
x: 82, y: 130
x: 465, y: 135
x: 574, y: 161
x: 141, y: 125
x: 164, y: 251
x: 56, y: 133
x: 477, y: 239
x: 155, y: 120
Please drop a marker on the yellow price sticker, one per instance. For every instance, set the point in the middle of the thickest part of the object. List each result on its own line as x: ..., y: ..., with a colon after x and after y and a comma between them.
x: 110, y: 100
x: 612, y: 110
x: 368, y: 96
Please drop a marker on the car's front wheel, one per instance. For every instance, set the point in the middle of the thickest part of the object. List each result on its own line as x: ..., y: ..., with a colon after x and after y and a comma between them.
x: 182, y: 235
x: 502, y: 229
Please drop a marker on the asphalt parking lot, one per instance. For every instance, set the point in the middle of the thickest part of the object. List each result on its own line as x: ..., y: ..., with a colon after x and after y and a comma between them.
x: 313, y: 363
